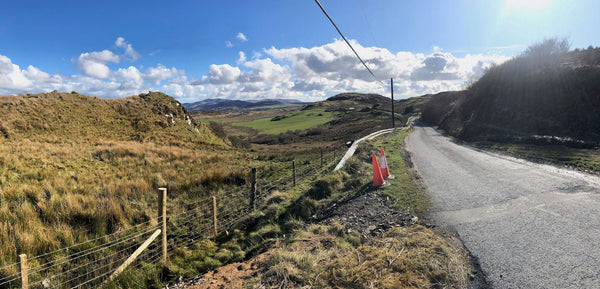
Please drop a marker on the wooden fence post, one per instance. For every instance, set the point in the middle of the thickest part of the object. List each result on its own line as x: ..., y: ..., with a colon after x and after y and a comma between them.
x: 253, y: 190
x: 132, y: 258
x: 215, y: 215
x: 162, y: 217
x: 24, y: 272
x: 294, y: 173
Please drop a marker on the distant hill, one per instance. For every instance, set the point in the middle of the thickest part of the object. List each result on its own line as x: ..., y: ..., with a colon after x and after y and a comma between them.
x: 547, y: 92
x: 152, y: 116
x: 413, y: 105
x: 223, y: 105
x: 360, y: 97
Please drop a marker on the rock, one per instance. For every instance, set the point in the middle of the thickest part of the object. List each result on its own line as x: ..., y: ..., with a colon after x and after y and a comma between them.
x: 367, y: 213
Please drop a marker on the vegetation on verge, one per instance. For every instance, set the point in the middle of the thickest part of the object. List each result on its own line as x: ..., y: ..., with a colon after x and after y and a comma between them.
x: 322, y: 256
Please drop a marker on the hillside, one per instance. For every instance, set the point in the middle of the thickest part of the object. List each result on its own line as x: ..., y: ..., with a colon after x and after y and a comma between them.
x: 70, y: 116
x: 546, y: 94
x: 344, y: 117
x: 335, y: 121
x: 227, y: 105
x: 74, y: 167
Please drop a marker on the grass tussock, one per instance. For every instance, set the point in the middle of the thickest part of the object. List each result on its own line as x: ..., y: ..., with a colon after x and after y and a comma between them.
x: 329, y: 257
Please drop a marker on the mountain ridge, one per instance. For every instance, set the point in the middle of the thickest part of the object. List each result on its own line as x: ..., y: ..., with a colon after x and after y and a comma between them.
x: 220, y: 104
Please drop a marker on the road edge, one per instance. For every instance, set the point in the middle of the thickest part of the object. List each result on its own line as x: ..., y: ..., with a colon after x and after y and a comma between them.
x: 478, y: 277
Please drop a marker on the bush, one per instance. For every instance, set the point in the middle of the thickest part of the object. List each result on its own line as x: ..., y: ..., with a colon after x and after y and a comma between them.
x: 217, y: 129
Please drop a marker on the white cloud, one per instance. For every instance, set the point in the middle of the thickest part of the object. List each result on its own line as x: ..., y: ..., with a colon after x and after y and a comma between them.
x: 130, y: 78
x: 242, y: 57
x: 241, y: 37
x: 264, y: 70
x: 184, y: 92
x: 333, y: 67
x: 228, y: 44
x: 94, y: 63
x: 223, y: 74
x: 35, y: 74
x: 159, y: 73
x: 11, y: 76
x: 130, y: 53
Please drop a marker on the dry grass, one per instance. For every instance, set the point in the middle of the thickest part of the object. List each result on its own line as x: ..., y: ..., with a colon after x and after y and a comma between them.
x: 328, y: 257
x: 412, y: 257
x: 74, y: 167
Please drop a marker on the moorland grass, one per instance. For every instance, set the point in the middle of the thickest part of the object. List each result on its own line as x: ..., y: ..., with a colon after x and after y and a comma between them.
x: 299, y: 120
x: 74, y: 168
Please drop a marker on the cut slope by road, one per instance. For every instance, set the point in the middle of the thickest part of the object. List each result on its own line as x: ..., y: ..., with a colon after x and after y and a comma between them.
x: 530, y: 225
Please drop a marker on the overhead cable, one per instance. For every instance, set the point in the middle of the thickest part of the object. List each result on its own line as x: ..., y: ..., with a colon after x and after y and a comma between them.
x: 347, y: 42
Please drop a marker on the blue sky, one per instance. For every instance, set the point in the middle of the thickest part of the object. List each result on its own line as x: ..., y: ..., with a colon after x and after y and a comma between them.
x: 271, y: 49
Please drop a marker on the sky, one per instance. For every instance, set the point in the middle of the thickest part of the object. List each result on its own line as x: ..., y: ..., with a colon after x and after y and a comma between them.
x: 265, y: 49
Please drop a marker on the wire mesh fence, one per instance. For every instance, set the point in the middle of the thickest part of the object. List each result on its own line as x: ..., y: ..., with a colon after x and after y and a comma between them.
x: 89, y: 264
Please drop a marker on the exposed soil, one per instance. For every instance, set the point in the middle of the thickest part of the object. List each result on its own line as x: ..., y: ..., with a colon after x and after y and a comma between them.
x: 233, y: 275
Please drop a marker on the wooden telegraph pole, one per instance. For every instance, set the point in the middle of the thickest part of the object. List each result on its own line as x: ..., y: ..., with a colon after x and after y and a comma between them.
x: 393, y: 115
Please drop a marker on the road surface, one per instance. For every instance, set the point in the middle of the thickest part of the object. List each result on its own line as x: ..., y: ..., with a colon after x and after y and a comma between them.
x: 530, y: 225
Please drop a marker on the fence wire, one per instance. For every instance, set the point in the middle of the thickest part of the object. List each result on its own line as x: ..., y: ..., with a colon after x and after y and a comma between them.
x: 88, y: 264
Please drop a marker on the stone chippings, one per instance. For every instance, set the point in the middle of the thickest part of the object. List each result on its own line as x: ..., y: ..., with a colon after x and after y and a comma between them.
x: 367, y: 213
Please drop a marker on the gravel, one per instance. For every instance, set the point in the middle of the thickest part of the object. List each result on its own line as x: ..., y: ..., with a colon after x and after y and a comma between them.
x: 367, y: 213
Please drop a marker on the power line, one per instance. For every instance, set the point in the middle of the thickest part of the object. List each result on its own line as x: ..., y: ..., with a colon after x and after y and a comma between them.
x: 347, y: 42
x: 364, y: 13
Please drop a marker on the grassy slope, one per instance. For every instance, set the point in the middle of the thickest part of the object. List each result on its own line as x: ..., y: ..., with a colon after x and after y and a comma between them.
x: 545, y: 91
x: 541, y: 92
x: 73, y: 166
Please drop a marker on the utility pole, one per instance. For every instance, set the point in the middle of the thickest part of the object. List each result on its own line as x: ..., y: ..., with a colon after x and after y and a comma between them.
x: 393, y: 115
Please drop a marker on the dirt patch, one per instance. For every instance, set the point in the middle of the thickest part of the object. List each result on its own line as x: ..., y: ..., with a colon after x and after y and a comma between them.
x: 367, y: 213
x: 233, y: 275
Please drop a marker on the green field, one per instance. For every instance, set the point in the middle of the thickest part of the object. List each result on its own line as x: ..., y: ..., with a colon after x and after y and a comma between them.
x: 297, y: 120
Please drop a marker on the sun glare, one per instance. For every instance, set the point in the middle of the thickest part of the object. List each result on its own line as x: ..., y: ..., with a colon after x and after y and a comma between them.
x: 526, y: 5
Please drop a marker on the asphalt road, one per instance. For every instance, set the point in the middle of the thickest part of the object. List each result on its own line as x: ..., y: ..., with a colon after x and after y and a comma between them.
x: 530, y: 225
